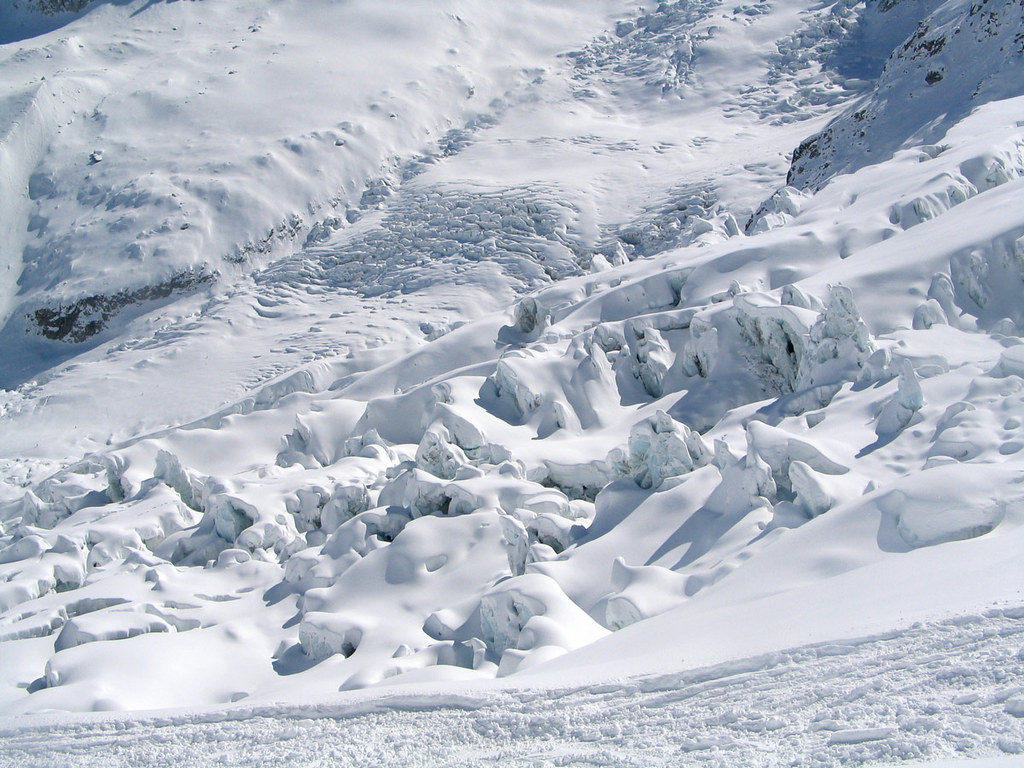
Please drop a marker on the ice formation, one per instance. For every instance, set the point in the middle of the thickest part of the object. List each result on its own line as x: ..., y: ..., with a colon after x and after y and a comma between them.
x: 499, y: 362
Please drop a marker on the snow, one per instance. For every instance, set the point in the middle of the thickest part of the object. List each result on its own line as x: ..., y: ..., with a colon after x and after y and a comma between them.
x: 444, y: 383
x: 895, y: 698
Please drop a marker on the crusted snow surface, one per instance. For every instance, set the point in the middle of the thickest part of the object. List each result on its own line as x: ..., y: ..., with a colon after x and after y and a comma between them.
x: 542, y: 401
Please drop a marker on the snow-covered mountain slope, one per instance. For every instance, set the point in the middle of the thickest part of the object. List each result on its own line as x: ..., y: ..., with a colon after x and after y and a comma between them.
x: 201, y: 140
x: 547, y: 376
x: 959, y: 57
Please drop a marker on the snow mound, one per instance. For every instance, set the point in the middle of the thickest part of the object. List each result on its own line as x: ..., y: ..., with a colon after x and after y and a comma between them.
x: 936, y: 506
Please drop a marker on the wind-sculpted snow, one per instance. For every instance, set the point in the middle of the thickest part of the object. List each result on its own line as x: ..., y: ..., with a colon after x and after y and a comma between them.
x: 554, y: 400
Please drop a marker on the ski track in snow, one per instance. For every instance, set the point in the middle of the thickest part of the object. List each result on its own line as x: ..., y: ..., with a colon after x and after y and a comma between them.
x: 949, y: 689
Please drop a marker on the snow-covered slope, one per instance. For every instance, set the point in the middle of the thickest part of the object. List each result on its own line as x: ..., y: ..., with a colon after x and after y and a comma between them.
x: 201, y: 140
x: 496, y: 346
x: 959, y: 57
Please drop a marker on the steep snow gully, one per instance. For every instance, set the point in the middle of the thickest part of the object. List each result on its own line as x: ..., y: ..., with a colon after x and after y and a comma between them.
x: 545, y: 383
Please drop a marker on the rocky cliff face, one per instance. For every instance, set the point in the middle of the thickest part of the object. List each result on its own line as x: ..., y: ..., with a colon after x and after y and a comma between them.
x: 958, y: 57
x: 53, y: 6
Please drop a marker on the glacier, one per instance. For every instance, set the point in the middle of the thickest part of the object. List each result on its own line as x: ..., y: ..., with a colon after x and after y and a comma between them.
x: 553, y: 382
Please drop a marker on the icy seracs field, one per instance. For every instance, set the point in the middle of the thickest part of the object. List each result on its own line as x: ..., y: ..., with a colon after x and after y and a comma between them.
x: 544, y: 382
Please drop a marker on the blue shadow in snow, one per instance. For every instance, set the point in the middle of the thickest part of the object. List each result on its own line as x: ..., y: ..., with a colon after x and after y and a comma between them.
x: 24, y: 21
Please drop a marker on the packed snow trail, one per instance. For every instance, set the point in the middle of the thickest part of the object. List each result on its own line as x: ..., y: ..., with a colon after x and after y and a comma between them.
x: 938, y: 690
